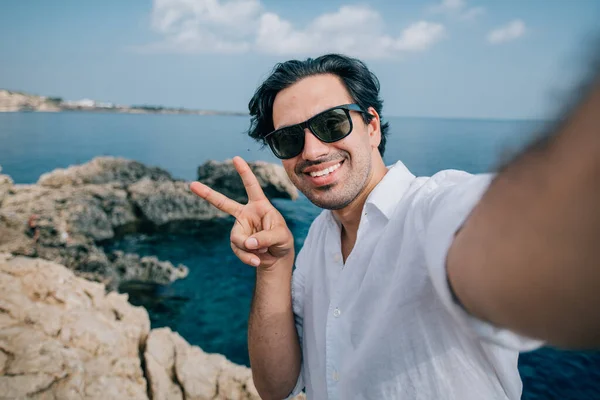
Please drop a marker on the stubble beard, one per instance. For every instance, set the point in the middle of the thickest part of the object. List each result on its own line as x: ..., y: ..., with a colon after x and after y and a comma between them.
x: 340, y: 194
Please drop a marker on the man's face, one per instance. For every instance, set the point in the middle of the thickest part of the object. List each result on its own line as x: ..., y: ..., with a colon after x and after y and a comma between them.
x: 331, y: 175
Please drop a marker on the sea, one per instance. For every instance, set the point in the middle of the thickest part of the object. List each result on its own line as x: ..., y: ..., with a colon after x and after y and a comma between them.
x: 210, y: 307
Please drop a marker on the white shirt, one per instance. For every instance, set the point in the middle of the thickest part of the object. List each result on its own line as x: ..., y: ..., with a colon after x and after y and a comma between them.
x: 383, y: 325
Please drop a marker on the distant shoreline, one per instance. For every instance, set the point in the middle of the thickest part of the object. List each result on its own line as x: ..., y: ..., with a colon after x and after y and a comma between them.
x: 13, y: 101
x: 132, y: 111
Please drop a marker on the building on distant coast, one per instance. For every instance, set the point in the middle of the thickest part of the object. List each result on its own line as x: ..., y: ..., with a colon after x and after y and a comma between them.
x: 88, y: 104
x: 85, y: 103
x: 105, y: 105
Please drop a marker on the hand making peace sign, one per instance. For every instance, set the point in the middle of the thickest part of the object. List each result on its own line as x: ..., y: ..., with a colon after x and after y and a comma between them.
x: 260, y: 237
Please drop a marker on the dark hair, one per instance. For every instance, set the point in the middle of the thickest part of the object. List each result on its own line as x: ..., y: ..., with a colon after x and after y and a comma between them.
x: 361, y: 83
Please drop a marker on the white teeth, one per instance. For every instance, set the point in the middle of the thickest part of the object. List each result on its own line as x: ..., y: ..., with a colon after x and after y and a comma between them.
x: 325, y: 171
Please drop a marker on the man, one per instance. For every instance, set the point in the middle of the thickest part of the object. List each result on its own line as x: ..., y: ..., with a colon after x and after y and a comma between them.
x: 406, y: 287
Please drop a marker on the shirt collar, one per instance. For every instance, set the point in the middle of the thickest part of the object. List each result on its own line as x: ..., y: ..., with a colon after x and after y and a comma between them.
x: 388, y: 192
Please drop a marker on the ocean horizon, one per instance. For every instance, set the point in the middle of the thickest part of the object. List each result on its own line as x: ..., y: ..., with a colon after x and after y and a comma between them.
x: 180, y: 143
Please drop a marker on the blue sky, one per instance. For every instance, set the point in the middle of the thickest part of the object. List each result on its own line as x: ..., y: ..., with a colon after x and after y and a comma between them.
x: 439, y: 58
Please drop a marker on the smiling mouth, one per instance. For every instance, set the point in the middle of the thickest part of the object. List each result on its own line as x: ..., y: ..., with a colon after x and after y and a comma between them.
x: 325, y: 171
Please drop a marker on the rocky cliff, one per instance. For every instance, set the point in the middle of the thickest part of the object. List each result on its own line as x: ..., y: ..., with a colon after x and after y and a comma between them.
x: 70, y: 213
x: 222, y: 175
x: 11, y: 101
x: 16, y: 101
x: 63, y: 337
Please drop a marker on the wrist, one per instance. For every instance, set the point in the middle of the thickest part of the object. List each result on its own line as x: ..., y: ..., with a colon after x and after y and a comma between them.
x: 280, y: 270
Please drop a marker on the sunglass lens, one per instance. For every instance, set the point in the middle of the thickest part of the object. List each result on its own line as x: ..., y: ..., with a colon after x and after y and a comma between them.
x: 331, y: 125
x: 287, y: 142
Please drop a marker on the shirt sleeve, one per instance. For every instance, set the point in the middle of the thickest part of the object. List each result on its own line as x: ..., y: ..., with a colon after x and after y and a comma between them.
x: 451, y: 197
x: 297, y: 306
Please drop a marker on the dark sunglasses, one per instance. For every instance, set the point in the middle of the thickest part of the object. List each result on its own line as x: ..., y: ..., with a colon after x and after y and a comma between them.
x: 328, y: 126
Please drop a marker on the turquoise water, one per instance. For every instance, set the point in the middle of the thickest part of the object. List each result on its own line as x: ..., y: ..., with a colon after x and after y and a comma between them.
x: 210, y: 307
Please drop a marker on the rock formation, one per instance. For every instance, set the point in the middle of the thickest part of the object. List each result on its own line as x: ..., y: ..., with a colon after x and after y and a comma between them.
x: 176, y: 370
x: 103, y: 170
x: 6, y: 184
x: 272, y: 178
x: 63, y: 337
x: 15, y: 101
x: 70, y: 213
x: 11, y: 101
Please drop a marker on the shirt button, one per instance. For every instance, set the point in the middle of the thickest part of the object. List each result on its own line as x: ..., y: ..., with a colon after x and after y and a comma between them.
x: 337, y: 312
x: 337, y: 258
x: 335, y: 376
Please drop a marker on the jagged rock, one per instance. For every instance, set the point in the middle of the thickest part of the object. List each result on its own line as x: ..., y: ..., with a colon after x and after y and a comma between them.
x: 180, y: 371
x: 63, y: 337
x: 131, y: 267
x: 65, y: 224
x: 5, y: 186
x: 168, y: 202
x: 70, y: 222
x: 91, y: 211
x: 102, y: 170
x: 15, y: 101
x: 95, y: 211
x: 224, y: 178
x: 71, y: 212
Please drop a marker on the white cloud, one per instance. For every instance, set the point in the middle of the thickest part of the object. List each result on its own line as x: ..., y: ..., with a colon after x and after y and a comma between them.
x: 449, y: 6
x: 194, y: 26
x: 348, y: 18
x: 511, y: 31
x: 419, y: 36
x: 206, y: 25
x: 354, y: 30
x: 457, y: 8
x: 472, y: 13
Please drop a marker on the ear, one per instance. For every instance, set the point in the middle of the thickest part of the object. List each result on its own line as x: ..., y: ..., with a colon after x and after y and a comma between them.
x: 374, y: 128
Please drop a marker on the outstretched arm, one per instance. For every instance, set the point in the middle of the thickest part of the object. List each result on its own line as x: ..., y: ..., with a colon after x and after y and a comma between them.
x: 528, y: 256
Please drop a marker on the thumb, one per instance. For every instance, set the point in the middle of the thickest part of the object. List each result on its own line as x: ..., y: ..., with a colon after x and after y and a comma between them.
x: 279, y: 237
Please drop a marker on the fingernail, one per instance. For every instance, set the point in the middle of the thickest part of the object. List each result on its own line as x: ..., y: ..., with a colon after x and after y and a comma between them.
x: 255, y: 262
x: 251, y: 243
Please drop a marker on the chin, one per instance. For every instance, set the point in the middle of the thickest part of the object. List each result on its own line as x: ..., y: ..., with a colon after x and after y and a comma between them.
x: 329, y: 203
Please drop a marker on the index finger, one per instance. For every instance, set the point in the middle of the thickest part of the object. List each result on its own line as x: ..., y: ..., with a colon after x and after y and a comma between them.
x: 251, y: 184
x: 217, y: 199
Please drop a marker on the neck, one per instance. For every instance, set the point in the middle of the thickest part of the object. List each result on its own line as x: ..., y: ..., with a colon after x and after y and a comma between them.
x: 349, y: 216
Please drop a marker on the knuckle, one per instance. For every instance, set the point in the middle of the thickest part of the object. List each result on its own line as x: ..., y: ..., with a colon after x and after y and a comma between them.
x: 237, y: 241
x: 236, y: 247
x: 265, y: 239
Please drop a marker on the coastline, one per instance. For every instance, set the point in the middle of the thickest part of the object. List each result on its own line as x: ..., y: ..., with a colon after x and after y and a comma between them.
x: 69, y: 214
x: 65, y: 337
x: 14, y: 101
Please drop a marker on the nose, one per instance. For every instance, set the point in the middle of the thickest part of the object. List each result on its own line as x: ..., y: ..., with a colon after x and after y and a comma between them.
x: 313, y: 147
